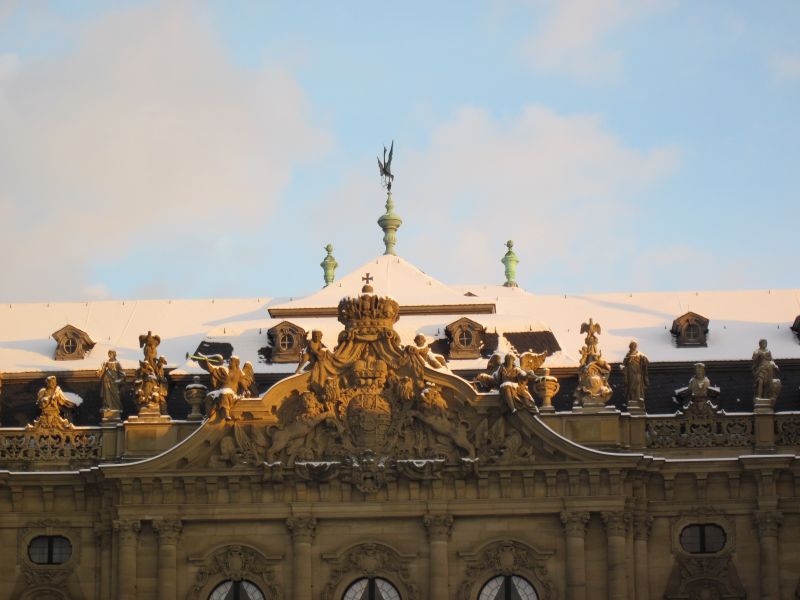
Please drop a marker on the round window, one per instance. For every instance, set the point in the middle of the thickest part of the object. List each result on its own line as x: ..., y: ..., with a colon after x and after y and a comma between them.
x: 49, y: 550
x: 286, y: 341
x: 465, y: 338
x: 703, y: 538
x: 504, y: 587
x: 237, y: 590
x: 69, y: 345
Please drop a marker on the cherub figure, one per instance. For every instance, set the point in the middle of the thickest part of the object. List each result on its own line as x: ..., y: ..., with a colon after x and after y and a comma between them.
x: 229, y: 383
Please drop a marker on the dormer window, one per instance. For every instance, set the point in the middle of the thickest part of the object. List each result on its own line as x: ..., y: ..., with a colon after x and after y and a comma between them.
x: 287, y: 340
x: 796, y: 327
x: 71, y: 343
x: 466, y: 338
x: 690, y: 329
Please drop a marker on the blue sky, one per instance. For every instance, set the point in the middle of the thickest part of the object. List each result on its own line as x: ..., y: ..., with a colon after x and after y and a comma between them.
x: 187, y: 149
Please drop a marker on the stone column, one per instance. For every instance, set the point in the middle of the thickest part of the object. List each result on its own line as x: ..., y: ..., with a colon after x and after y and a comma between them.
x: 302, y: 530
x: 616, y: 527
x: 575, y: 532
x: 439, y: 527
x: 641, y: 533
x: 168, y: 531
x: 128, y: 532
x: 768, y: 523
x: 102, y: 534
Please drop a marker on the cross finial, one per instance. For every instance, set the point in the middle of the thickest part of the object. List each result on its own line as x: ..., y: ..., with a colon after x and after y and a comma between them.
x: 367, y: 278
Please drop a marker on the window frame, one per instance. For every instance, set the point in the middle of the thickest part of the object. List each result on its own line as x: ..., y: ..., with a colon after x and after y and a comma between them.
x: 50, y: 550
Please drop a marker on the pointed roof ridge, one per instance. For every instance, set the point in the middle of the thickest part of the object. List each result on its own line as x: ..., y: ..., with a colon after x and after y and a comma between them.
x: 389, y: 275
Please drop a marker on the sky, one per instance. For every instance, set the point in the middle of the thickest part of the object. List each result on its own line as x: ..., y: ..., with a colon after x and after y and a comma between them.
x: 212, y: 149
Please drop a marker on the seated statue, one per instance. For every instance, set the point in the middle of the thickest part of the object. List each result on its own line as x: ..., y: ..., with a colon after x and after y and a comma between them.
x: 51, y: 401
x: 421, y: 355
x: 512, y: 383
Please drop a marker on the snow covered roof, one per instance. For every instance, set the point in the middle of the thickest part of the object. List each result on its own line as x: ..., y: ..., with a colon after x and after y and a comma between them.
x: 738, y: 319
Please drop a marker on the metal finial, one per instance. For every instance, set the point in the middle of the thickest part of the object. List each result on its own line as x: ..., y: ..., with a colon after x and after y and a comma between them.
x: 329, y: 265
x: 510, y: 261
x: 390, y: 222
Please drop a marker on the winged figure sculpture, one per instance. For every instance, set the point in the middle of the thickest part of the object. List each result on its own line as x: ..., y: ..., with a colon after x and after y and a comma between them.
x: 385, y: 167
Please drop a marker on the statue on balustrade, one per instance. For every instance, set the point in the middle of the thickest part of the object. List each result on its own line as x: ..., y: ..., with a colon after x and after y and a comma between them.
x: 112, y: 376
x: 229, y: 382
x: 698, y: 394
x: 593, y: 390
x: 512, y: 382
x: 150, y: 381
x: 51, y: 401
x: 634, y: 370
x: 766, y: 384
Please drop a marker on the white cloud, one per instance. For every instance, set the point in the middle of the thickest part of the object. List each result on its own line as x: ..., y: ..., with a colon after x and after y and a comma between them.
x: 785, y: 67
x: 563, y: 187
x: 142, y: 130
x: 572, y: 35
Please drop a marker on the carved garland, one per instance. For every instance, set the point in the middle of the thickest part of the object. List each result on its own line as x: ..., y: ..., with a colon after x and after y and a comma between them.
x: 235, y: 562
x: 507, y: 557
x: 369, y: 560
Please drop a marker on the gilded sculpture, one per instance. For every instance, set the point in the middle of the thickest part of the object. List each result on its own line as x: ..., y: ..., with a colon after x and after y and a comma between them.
x: 150, y: 380
x: 634, y: 369
x: 512, y: 382
x: 229, y: 383
x: 593, y: 390
x: 112, y: 376
x: 766, y: 384
x: 52, y: 402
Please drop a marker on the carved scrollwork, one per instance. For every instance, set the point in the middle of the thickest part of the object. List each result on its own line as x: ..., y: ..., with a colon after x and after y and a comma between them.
x: 701, y: 578
x: 507, y: 557
x: 787, y: 430
x: 235, y: 562
x: 699, y: 430
x: 369, y: 560
x: 37, y: 574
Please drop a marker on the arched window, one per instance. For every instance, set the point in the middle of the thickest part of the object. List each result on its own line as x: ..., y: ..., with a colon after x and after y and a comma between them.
x: 508, y: 587
x: 371, y: 588
x: 49, y: 550
x: 237, y: 590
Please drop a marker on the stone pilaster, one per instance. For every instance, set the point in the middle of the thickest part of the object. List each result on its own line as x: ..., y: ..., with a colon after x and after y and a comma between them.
x: 641, y: 535
x: 169, y: 531
x: 302, y: 530
x: 616, y: 529
x: 102, y: 534
x: 439, y: 528
x: 768, y: 524
x: 575, y: 540
x: 128, y: 534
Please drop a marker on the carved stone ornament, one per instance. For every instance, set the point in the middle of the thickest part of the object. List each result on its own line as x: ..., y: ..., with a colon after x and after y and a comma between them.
x: 702, y: 515
x: 234, y: 562
x: 690, y: 329
x: 616, y: 522
x: 768, y: 523
x: 766, y: 384
x: 168, y: 530
x: 634, y: 369
x: 787, y: 430
x: 302, y: 529
x: 506, y: 557
x: 44, y: 575
x: 593, y: 390
x: 438, y: 526
x: 51, y: 438
x: 701, y: 578
x: 371, y: 410
x: 369, y: 560
x: 575, y: 522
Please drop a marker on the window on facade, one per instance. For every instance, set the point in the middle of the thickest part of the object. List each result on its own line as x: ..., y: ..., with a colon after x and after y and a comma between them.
x: 692, y: 332
x: 371, y: 588
x: 49, y: 550
x: 286, y: 341
x: 703, y: 538
x: 465, y: 338
x: 237, y: 590
x: 69, y: 345
x: 508, y: 587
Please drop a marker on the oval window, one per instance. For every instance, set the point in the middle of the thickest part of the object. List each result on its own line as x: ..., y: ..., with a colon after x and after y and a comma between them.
x: 49, y: 550
x: 703, y: 538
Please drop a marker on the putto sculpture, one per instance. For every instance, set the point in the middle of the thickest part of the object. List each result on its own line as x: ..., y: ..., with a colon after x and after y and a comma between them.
x: 634, y: 370
x: 112, y: 376
x: 593, y: 390
x: 766, y: 384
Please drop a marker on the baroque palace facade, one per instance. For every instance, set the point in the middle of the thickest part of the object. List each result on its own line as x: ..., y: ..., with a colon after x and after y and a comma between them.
x: 410, y: 440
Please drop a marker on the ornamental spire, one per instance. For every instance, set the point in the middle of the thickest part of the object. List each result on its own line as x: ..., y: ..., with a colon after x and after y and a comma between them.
x: 389, y: 221
x: 510, y: 261
x: 329, y: 265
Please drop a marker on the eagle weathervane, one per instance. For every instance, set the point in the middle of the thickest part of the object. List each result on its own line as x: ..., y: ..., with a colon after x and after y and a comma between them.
x: 385, y: 167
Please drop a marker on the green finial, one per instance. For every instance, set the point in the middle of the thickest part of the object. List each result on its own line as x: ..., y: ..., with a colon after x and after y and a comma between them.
x: 329, y: 265
x: 389, y: 222
x: 510, y: 261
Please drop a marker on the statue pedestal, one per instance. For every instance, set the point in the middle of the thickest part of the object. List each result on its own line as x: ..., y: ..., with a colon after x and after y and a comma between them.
x: 148, y: 432
x: 763, y: 406
x: 590, y: 407
x: 148, y: 414
x: 109, y: 416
